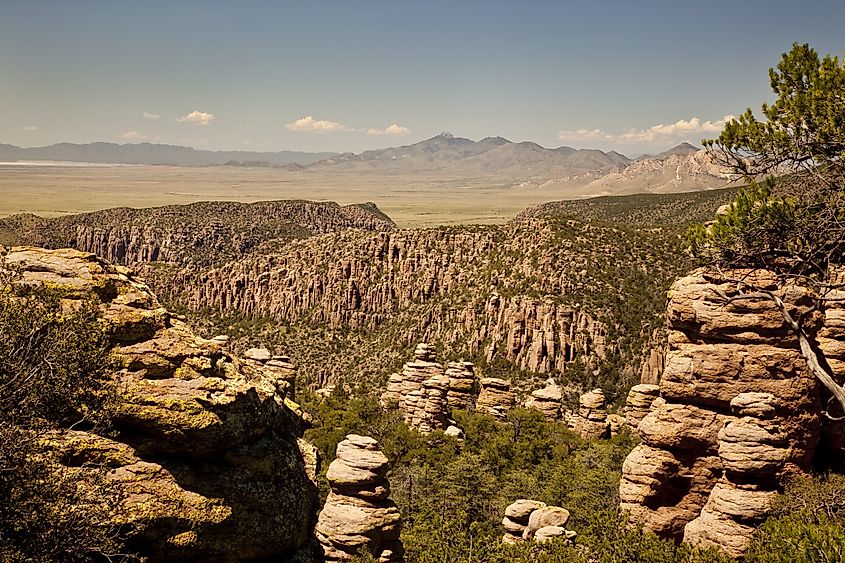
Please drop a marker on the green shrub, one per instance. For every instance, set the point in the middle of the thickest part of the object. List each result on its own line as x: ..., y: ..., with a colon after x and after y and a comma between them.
x: 808, y: 524
x: 52, y: 375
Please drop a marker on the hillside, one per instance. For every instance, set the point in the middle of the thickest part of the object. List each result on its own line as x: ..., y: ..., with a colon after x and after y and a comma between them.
x: 657, y: 209
x: 545, y: 294
x: 199, y: 234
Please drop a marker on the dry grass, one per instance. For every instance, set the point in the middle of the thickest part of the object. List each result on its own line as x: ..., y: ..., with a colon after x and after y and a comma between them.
x: 420, y: 200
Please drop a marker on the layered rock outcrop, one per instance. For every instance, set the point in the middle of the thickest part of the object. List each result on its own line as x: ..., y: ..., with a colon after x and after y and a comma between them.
x: 420, y: 391
x: 462, y: 385
x: 591, y: 421
x: 753, y: 450
x: 527, y: 520
x: 432, y: 284
x: 495, y: 398
x: 206, y: 461
x: 547, y: 400
x: 738, y: 412
x: 359, y: 516
x: 638, y: 403
x: 204, y: 233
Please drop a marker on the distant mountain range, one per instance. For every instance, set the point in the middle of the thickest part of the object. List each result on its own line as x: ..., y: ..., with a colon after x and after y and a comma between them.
x: 580, y: 172
x: 491, y: 156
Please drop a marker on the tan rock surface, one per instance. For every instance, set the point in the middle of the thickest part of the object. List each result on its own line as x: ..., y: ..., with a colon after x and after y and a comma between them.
x: 638, y: 404
x: 704, y: 475
x: 547, y: 400
x: 358, y: 515
x: 495, y: 398
x: 207, y: 457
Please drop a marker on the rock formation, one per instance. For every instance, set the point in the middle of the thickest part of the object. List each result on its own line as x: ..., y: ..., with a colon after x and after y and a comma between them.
x: 752, y: 450
x: 738, y: 412
x: 430, y: 284
x: 533, y: 520
x: 206, y: 459
x: 495, y: 397
x: 615, y: 424
x: 203, y: 233
x: 516, y: 519
x: 591, y: 420
x: 638, y: 403
x: 547, y: 400
x: 426, y: 393
x: 420, y: 391
x: 358, y: 515
x: 461, y: 395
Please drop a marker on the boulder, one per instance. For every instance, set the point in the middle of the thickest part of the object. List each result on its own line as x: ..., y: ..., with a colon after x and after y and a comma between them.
x: 547, y: 400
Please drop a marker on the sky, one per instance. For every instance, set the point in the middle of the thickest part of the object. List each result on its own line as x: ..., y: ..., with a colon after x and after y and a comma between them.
x: 634, y: 76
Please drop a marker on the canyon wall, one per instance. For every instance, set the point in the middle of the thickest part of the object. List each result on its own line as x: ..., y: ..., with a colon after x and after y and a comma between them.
x: 466, y: 287
x: 199, y: 234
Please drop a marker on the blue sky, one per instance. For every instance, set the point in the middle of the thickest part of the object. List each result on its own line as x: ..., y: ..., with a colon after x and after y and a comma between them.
x: 632, y: 75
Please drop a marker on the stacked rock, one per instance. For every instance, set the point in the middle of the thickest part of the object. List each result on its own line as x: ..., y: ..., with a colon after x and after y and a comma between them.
x: 405, y: 389
x: 533, y: 520
x: 638, y: 403
x: 392, y: 396
x: 516, y: 518
x: 547, y: 400
x: 753, y: 450
x: 615, y: 424
x: 696, y: 459
x: 461, y: 383
x: 279, y: 368
x: 591, y: 422
x: 358, y: 515
x: 495, y: 398
x: 547, y: 523
x: 432, y: 411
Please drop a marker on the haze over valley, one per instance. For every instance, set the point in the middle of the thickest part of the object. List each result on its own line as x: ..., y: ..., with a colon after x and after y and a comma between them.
x: 442, y: 180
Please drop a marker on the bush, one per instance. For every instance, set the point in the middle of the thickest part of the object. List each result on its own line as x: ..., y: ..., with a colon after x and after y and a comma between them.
x: 808, y: 524
x: 52, y: 375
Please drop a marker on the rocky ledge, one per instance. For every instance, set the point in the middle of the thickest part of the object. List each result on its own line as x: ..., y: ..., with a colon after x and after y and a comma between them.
x: 206, y: 458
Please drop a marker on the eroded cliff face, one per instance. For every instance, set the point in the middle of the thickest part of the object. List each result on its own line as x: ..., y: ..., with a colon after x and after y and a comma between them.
x: 739, y: 413
x: 206, y: 461
x: 505, y: 292
x: 200, y: 234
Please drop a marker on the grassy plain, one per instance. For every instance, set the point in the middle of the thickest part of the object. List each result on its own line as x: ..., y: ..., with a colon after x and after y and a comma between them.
x: 418, y: 200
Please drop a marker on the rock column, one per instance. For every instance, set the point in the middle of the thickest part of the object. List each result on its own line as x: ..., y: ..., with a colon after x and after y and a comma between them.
x: 358, y: 515
x: 547, y: 400
x: 591, y: 422
x: 495, y: 398
x: 638, y: 403
x: 753, y: 450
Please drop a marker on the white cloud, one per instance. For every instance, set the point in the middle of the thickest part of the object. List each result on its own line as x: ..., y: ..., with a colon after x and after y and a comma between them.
x: 394, y: 129
x: 151, y: 116
x: 138, y: 136
x: 197, y: 118
x: 308, y: 124
x: 684, y: 128
x: 29, y: 128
